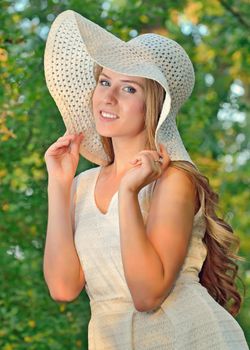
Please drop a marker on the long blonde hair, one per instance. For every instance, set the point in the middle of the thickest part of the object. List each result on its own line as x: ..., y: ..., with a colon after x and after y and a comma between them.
x: 220, y: 270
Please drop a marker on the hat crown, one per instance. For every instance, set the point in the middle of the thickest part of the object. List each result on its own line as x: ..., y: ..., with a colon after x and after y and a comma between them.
x: 172, y: 60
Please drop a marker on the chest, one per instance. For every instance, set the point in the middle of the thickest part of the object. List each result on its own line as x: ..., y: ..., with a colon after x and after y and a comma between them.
x: 104, y: 191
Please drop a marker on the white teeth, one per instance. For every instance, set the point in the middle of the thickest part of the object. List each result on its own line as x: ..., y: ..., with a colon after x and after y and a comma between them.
x: 108, y: 115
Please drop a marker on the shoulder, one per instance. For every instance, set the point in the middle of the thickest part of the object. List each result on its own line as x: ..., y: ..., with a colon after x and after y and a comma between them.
x: 81, y: 181
x: 175, y: 188
x: 88, y: 173
x: 174, y: 174
x: 176, y: 180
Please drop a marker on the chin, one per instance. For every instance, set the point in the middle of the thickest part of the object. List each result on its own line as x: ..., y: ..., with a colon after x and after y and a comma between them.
x: 104, y: 133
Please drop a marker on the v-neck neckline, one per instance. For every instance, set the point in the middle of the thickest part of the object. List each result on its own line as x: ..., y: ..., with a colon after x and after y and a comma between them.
x: 94, y: 196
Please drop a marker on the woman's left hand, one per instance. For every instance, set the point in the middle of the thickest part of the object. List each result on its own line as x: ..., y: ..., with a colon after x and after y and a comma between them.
x: 147, y: 166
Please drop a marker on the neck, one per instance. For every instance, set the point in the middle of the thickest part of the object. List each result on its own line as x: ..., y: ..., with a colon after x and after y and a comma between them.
x: 124, y: 151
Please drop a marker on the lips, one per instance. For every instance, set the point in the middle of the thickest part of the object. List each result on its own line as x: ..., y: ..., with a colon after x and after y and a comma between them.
x: 108, y: 116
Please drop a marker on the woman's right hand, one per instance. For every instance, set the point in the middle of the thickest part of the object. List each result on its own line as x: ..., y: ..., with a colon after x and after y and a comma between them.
x: 62, y: 158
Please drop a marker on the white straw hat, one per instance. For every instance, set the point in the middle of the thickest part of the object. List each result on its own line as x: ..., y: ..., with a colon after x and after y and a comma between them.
x: 75, y: 45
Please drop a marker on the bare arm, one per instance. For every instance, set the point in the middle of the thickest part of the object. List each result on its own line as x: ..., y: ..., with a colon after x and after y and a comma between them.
x: 62, y: 270
x: 153, y: 254
x: 143, y: 267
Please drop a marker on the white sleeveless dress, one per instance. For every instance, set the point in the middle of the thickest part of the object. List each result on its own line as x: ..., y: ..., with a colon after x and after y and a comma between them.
x: 188, y: 319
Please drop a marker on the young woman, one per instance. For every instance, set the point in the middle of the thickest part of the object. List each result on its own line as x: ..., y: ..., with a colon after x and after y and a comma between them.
x: 140, y: 231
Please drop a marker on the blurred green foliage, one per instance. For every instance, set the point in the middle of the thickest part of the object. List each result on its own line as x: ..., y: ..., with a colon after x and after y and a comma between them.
x: 214, y: 125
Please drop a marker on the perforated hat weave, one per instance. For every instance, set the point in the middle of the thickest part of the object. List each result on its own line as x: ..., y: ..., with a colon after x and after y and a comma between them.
x: 75, y: 45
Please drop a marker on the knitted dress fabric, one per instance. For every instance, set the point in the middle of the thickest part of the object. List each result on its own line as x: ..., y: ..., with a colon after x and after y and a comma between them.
x: 188, y: 319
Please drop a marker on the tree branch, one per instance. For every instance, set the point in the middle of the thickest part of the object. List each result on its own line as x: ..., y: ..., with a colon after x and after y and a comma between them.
x: 235, y: 13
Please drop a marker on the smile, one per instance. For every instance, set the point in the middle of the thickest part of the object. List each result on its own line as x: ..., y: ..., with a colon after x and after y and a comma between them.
x: 107, y: 115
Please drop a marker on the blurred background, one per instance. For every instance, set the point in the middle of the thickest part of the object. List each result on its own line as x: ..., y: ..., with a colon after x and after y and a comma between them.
x: 214, y: 125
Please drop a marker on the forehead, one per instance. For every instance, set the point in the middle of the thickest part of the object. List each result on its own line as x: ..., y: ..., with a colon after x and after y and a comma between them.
x: 114, y: 75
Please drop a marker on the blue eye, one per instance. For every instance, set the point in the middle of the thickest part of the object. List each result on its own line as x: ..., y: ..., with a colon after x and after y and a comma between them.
x: 130, y: 89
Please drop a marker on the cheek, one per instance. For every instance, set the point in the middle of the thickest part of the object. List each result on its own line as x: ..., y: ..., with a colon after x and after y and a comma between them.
x: 138, y: 112
x: 143, y: 109
x: 137, y: 105
x: 140, y: 105
x: 141, y: 112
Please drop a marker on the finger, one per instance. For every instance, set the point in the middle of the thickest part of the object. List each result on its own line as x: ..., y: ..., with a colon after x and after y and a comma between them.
x: 151, y: 153
x: 75, y: 144
x: 137, y: 158
x: 136, y: 161
x: 157, y: 164
x: 56, y: 150
x: 67, y: 137
x: 60, y: 144
x: 154, y: 159
x: 162, y: 150
x: 147, y: 159
x: 165, y: 156
x: 69, y: 140
x: 146, y: 156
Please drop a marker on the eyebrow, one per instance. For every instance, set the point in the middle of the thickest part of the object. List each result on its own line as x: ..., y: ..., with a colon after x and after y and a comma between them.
x: 125, y: 81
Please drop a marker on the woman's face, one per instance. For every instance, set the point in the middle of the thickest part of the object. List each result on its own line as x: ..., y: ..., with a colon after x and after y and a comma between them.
x: 119, y: 105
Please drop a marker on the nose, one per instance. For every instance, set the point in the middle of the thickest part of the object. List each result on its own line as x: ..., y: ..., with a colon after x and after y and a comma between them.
x: 110, y: 96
